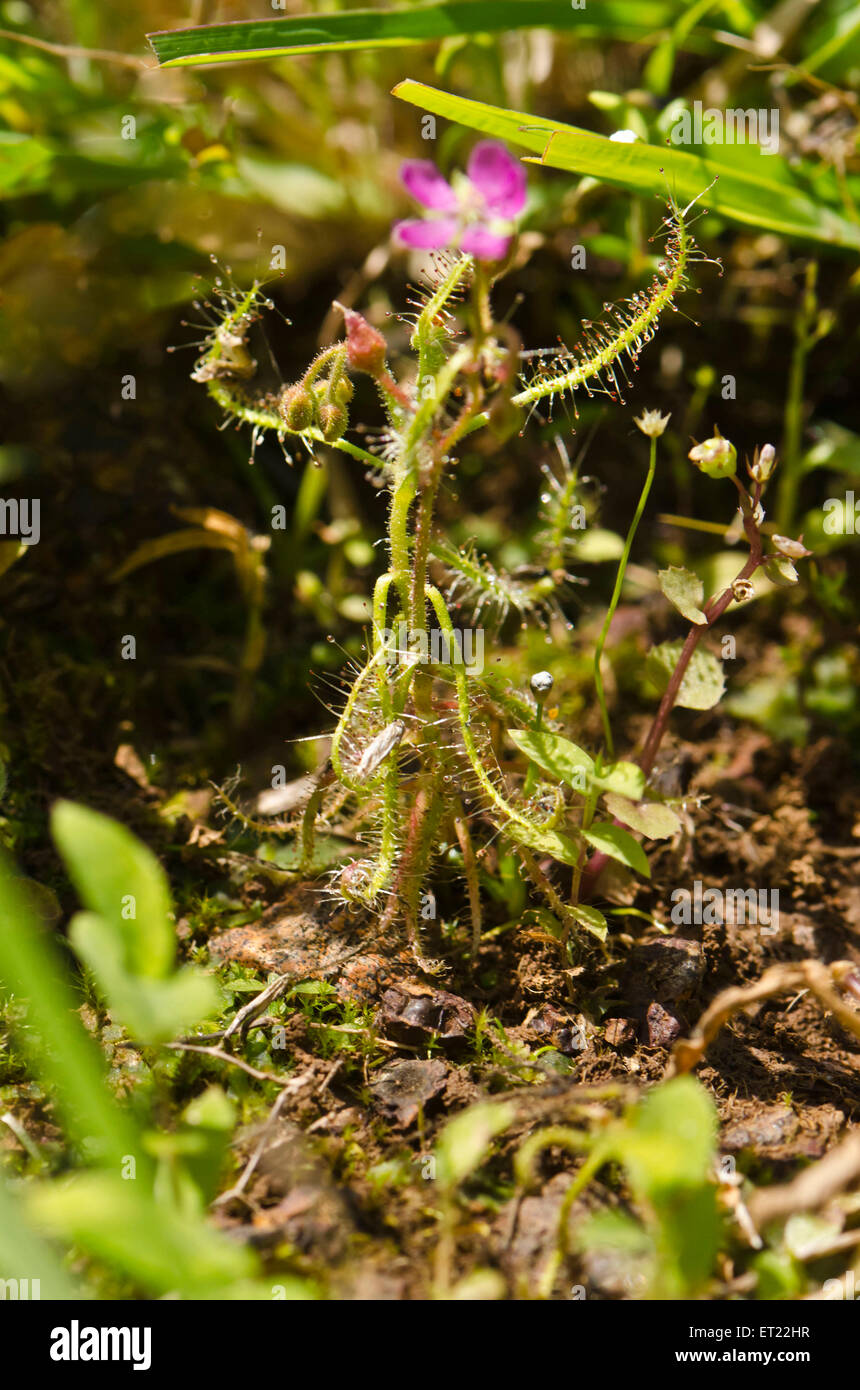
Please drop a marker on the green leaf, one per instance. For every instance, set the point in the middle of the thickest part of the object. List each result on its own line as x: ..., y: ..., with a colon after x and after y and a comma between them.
x: 63, y: 1056
x: 555, y: 755
x: 627, y: 779
x: 650, y: 818
x: 396, y: 28
x: 550, y: 842
x: 466, y: 1139
x: 121, y: 880
x: 685, y: 590
x: 153, y: 1011
x: 619, y: 844
x: 120, y: 1223
x: 589, y: 918
x: 768, y: 195
x: 21, y: 1249
x: 681, y: 1114
x: 703, y: 684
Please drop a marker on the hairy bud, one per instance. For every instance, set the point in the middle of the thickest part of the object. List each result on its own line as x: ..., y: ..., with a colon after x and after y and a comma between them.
x: 366, y: 349
x: 296, y: 408
x: 333, y: 421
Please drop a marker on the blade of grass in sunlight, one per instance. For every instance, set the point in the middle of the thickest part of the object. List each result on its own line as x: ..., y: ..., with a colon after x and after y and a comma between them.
x: 771, y: 199
x: 279, y: 38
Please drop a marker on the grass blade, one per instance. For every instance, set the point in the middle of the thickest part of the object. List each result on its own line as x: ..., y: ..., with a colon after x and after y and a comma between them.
x: 279, y: 38
x: 772, y: 199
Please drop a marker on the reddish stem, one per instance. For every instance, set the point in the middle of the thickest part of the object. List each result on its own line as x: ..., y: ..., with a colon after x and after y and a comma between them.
x: 713, y: 611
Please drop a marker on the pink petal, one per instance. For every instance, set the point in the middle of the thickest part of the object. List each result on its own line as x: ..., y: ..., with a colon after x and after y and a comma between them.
x: 499, y: 178
x: 429, y: 235
x: 484, y: 245
x: 422, y: 179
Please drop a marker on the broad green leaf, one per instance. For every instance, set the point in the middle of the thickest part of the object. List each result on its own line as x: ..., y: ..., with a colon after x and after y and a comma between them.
x: 650, y: 818
x: 466, y: 1140
x: 63, y: 1056
x: 550, y: 842
x: 153, y: 1011
x: 398, y: 27
x: 685, y: 590
x: 119, y: 878
x: 627, y: 779
x: 555, y: 755
x: 120, y: 1223
x: 766, y: 194
x: 682, y: 1113
x: 703, y: 684
x: 619, y: 844
x: 589, y: 918
x: 21, y: 1249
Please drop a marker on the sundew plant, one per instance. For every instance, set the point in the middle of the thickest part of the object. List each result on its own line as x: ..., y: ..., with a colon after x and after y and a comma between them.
x: 425, y: 730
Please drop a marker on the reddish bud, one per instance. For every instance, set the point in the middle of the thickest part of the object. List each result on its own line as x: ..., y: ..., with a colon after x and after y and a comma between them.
x: 366, y: 349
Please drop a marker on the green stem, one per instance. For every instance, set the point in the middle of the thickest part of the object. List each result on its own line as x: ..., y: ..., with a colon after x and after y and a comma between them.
x: 616, y: 595
x: 788, y: 482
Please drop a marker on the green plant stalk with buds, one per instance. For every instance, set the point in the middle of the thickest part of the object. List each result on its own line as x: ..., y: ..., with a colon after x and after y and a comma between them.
x: 400, y: 707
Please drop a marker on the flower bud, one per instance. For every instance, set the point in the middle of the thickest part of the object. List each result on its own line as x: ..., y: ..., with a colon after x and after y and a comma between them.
x: 716, y: 457
x: 344, y: 390
x: 780, y: 571
x: 541, y: 684
x: 296, y: 408
x: 333, y: 421
x: 763, y: 463
x: 794, y: 550
x: 366, y: 349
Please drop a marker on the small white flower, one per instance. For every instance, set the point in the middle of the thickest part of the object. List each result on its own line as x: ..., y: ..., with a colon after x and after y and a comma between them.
x: 624, y: 137
x: 652, y: 423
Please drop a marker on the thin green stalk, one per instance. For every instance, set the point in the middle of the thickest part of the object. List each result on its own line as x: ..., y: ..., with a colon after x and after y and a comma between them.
x: 788, y: 482
x: 616, y: 595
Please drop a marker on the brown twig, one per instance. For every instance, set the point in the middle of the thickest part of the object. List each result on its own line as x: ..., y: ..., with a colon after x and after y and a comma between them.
x: 98, y: 55
x: 779, y: 979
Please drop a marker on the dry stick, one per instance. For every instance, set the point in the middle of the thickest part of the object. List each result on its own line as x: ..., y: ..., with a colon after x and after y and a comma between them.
x: 220, y: 1055
x: 98, y: 55
x: 238, y: 1188
x: 808, y: 974
x: 713, y: 611
x: 811, y: 1188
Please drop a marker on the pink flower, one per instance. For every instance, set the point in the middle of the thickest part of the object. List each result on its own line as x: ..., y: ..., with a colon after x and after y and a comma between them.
x: 476, y: 214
